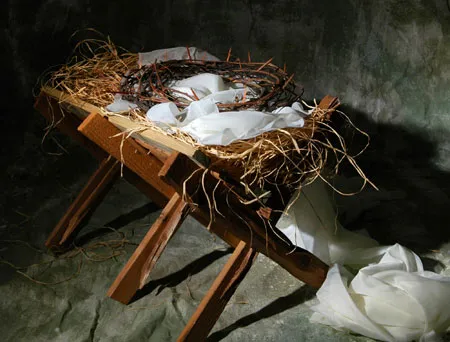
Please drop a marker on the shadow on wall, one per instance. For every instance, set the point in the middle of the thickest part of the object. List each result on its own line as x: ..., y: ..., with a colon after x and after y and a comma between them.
x: 411, y: 206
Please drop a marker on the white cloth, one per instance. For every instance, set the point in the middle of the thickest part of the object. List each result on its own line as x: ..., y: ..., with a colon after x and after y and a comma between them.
x: 148, y: 58
x: 203, y: 84
x: 311, y: 224
x: 208, y: 126
x: 391, y: 298
x: 120, y: 105
x: 176, y: 53
x: 203, y: 121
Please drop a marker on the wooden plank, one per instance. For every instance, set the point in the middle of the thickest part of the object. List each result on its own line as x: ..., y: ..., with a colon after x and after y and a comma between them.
x: 180, y: 164
x: 66, y: 122
x: 184, y: 168
x: 221, y: 231
x: 329, y: 103
x: 159, y: 153
x: 242, y: 222
x: 134, y: 156
x: 300, y: 263
x: 153, y: 137
x: 221, y: 291
x: 87, y: 200
x: 83, y: 109
x: 134, y: 274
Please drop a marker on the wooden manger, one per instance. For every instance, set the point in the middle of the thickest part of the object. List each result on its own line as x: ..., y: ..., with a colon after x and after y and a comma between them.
x: 159, y: 166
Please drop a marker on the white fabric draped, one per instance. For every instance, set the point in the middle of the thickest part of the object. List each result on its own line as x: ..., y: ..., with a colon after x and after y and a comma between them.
x: 202, y: 119
x: 391, y: 297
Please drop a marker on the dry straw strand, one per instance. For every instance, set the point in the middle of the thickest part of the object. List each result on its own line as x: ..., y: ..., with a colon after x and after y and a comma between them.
x: 286, y: 157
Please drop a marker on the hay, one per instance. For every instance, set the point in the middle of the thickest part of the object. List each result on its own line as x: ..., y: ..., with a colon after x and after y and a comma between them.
x: 94, y: 73
x: 285, y: 157
x: 267, y: 86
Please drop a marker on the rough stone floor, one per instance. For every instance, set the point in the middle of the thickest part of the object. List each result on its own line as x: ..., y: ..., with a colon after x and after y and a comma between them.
x: 270, y: 305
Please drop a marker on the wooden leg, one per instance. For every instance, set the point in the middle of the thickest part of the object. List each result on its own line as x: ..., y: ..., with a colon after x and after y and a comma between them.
x: 212, y: 305
x: 87, y: 200
x: 241, y: 222
x: 133, y: 275
x: 99, y: 130
x: 67, y: 123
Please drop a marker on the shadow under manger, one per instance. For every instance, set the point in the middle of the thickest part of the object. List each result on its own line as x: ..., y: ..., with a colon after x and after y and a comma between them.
x: 299, y: 296
x: 176, y: 278
x: 411, y: 207
x: 117, y: 223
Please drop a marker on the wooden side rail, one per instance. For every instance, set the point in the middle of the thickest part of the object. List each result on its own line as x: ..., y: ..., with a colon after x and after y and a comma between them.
x: 105, y: 135
x: 242, y: 222
x: 164, y: 178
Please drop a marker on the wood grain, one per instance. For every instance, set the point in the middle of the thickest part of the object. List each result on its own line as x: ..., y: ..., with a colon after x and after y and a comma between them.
x: 99, y: 130
x: 87, y: 200
x: 134, y: 274
x: 221, y: 291
x: 242, y: 222
x: 83, y: 109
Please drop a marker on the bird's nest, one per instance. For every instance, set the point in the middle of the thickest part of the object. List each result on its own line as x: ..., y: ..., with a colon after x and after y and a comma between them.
x: 284, y: 157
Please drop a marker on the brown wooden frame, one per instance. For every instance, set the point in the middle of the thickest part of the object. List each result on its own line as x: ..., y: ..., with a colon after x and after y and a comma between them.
x: 161, y: 175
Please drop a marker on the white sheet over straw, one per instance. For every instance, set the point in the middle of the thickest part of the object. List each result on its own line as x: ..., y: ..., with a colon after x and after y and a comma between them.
x: 202, y: 119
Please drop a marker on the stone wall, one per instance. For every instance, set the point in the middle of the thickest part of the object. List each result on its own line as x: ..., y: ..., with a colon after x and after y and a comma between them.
x: 388, y: 61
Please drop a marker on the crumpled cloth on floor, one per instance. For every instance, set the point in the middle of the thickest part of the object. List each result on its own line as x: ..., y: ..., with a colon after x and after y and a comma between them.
x: 391, y: 297
x: 202, y: 119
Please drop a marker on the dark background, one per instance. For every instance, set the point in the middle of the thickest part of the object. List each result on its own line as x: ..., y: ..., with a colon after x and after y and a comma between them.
x: 388, y: 61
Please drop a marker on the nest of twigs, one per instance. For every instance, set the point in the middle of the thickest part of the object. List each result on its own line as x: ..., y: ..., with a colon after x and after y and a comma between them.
x: 287, y: 157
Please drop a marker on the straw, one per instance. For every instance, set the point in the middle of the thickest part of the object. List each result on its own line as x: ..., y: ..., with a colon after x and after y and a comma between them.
x: 286, y: 157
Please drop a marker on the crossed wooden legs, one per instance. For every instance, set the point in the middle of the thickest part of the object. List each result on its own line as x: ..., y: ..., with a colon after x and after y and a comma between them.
x: 87, y: 200
x: 152, y: 174
x: 137, y: 269
x: 221, y: 291
x: 134, y: 274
